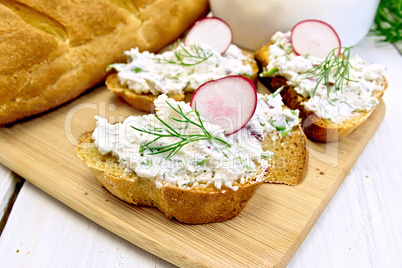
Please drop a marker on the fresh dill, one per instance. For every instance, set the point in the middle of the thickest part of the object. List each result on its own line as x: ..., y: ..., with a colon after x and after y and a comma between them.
x: 333, y: 71
x: 388, y: 20
x: 184, y: 57
x: 169, y: 132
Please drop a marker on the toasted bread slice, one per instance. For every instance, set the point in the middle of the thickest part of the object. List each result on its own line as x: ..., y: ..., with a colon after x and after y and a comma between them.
x: 202, y: 203
x: 196, y: 205
x: 290, y: 159
x: 144, y: 102
x: 315, y: 128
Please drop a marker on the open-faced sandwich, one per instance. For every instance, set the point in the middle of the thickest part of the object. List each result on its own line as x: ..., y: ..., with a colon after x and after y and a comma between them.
x: 334, y: 91
x: 205, y: 54
x: 202, y: 161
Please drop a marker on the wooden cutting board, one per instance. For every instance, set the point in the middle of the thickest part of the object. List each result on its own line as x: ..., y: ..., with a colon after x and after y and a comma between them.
x: 267, y: 233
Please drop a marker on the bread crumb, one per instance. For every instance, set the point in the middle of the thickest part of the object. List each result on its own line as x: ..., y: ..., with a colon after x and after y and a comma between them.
x: 85, y: 193
x: 17, y: 250
x: 367, y: 176
x: 322, y: 173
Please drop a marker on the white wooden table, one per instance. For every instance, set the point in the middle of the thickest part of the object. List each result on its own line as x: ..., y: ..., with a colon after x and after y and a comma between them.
x: 361, y: 227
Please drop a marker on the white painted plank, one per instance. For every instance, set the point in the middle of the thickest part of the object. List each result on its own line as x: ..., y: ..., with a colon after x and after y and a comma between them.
x: 42, y: 232
x: 399, y: 46
x: 362, y: 225
x: 8, y: 182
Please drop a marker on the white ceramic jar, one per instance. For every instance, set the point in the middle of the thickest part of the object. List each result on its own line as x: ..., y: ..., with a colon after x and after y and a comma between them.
x: 253, y: 22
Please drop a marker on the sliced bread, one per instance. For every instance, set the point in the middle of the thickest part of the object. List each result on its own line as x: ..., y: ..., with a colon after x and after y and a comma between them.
x: 143, y: 101
x: 314, y: 126
x: 197, y: 205
x: 191, y: 198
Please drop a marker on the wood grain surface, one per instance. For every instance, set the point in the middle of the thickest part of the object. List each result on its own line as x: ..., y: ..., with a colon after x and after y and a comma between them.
x: 267, y: 233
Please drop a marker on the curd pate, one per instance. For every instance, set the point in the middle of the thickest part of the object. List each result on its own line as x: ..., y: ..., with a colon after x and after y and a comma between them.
x: 355, y: 96
x: 147, y: 72
x: 207, y: 162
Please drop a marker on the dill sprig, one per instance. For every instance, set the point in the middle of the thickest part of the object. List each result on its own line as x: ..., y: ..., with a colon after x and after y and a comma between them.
x: 388, y: 20
x: 338, y: 64
x: 168, y: 131
x: 184, y: 57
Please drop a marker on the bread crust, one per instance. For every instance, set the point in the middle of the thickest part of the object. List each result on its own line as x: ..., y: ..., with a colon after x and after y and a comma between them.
x: 315, y: 128
x: 144, y: 102
x: 50, y: 56
x: 290, y: 159
x: 196, y: 205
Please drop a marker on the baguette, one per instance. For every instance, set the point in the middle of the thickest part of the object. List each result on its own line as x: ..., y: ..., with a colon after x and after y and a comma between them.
x: 143, y: 101
x: 52, y: 51
x: 201, y: 201
x: 316, y: 128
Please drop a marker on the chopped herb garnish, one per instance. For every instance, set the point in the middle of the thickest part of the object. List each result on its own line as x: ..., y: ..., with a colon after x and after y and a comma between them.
x: 137, y: 70
x: 269, y: 73
x: 276, y: 93
x: 147, y: 163
x: 168, y: 131
x: 199, y: 163
x: 323, y: 71
x: 184, y: 57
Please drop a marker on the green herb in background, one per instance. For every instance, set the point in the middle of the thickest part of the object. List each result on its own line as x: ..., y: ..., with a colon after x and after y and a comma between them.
x: 388, y: 20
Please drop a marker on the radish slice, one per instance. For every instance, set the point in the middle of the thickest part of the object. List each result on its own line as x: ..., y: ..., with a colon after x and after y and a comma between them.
x: 211, y: 31
x: 228, y: 102
x: 314, y: 37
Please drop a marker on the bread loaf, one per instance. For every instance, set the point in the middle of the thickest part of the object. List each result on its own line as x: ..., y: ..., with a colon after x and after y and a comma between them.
x: 52, y: 51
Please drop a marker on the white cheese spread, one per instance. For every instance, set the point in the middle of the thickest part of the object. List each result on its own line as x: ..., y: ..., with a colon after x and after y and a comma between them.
x: 183, y: 69
x: 205, y: 161
x: 338, y: 106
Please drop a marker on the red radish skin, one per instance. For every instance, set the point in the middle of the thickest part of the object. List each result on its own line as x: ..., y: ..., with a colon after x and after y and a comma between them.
x: 314, y: 37
x: 212, y: 31
x: 228, y: 102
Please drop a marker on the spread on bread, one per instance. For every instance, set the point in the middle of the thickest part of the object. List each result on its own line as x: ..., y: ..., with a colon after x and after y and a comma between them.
x: 180, y: 70
x: 334, y: 95
x: 342, y: 97
x: 176, y: 146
